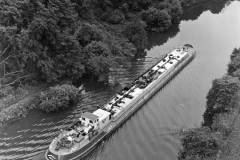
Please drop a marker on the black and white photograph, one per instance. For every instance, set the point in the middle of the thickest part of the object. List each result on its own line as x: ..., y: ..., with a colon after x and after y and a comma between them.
x: 119, y: 79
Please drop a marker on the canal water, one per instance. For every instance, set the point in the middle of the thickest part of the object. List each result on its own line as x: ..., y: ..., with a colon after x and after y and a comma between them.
x: 213, y: 28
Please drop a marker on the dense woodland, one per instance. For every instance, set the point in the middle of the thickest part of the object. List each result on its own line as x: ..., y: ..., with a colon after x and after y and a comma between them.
x: 49, y: 41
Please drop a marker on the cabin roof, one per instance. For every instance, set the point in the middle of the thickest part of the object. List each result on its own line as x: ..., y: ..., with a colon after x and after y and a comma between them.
x: 90, y: 116
x: 102, y: 114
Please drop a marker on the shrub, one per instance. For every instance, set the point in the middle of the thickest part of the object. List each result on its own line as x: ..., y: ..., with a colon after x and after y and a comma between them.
x: 17, y: 110
x: 58, y: 98
x: 236, y: 73
x: 5, y: 91
x: 156, y: 20
x: 234, y: 65
x: 199, y: 144
x: 223, y: 123
x: 222, y: 91
x: 136, y: 34
x: 220, y: 96
x: 235, y: 61
x: 10, y: 95
x: 235, y: 53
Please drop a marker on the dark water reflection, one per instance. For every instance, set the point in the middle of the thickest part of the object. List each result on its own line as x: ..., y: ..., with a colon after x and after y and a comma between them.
x: 150, y: 133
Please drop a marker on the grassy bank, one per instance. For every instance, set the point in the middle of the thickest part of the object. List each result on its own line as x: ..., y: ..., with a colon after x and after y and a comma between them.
x: 221, y: 118
x: 16, y: 103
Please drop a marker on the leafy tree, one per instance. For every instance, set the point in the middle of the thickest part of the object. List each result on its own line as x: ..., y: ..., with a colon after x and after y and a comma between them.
x: 87, y: 33
x: 235, y: 53
x: 220, y: 97
x: 156, y: 20
x: 175, y: 11
x: 58, y: 98
x: 135, y: 32
x: 173, y: 7
x: 113, y: 17
x: 236, y: 73
x: 98, y: 58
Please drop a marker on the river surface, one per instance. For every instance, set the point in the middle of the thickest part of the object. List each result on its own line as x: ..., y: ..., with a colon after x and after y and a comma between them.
x: 150, y: 134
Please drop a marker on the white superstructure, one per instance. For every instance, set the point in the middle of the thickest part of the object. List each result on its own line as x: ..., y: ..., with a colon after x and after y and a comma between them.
x: 103, y: 117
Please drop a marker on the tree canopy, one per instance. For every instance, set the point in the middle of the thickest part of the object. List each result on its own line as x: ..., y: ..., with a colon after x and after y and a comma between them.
x: 135, y: 32
x: 157, y: 20
x: 235, y: 61
x: 48, y: 40
x: 220, y: 97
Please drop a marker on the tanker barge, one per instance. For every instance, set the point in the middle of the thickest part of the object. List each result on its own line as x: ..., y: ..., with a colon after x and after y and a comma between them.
x: 80, y: 139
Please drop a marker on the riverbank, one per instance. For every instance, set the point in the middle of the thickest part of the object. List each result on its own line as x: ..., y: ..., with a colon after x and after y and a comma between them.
x: 17, y: 102
x: 218, y: 138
